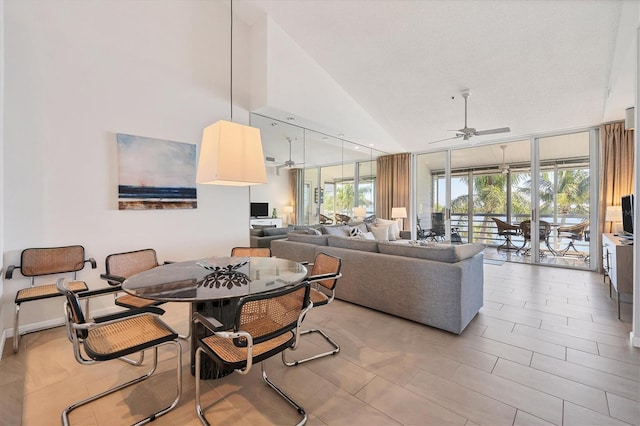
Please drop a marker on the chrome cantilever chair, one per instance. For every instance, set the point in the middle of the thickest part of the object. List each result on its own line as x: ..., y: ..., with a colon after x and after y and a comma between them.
x: 324, y: 278
x: 265, y: 324
x: 38, y: 262
x: 116, y: 336
x: 120, y: 266
x: 507, y: 231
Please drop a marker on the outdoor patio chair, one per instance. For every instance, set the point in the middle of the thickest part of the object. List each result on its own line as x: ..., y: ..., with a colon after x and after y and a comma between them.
x: 544, y: 230
x: 437, y: 231
x: 39, y: 262
x: 117, y: 336
x: 325, y: 220
x: 507, y: 231
x: 324, y: 277
x: 265, y: 324
x: 577, y: 232
x: 342, y: 218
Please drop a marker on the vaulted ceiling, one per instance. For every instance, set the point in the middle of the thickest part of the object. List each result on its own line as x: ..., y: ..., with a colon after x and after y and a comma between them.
x: 535, y: 66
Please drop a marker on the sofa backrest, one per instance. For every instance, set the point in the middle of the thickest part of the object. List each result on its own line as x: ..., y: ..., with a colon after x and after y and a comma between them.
x: 320, y: 240
x: 352, y: 243
x: 439, y: 252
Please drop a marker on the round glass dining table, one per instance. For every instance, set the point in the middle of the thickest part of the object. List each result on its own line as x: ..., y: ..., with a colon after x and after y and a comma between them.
x: 212, y: 286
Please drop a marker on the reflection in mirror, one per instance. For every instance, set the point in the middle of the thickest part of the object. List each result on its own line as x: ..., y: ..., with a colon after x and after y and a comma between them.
x: 318, y: 175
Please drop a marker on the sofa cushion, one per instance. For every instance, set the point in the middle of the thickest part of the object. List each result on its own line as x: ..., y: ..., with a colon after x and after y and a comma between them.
x: 380, y: 233
x: 439, y: 252
x: 335, y: 230
x: 262, y: 226
x: 391, y: 236
x: 268, y: 232
x: 320, y: 240
x: 256, y: 232
x: 352, y: 243
x: 394, y: 226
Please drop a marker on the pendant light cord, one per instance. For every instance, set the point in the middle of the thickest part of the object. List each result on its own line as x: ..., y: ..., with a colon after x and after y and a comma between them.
x: 231, y: 63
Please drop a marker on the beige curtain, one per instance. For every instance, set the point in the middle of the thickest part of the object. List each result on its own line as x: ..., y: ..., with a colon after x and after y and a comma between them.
x: 392, y: 184
x: 616, y: 171
x: 295, y: 180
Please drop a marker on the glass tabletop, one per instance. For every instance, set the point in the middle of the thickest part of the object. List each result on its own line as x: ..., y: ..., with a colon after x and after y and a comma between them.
x: 214, y: 278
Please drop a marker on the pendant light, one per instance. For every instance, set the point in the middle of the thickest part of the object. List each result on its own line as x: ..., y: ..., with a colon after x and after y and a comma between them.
x: 231, y: 153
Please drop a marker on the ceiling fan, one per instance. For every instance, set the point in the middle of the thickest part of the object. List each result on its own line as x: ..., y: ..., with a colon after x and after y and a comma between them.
x: 290, y: 163
x: 505, y: 167
x: 467, y: 132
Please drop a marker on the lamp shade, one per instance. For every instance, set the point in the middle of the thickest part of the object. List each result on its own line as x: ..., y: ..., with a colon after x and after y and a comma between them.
x: 231, y: 154
x: 613, y: 214
x: 288, y: 209
x: 398, y: 212
x: 629, y: 117
x: 359, y: 211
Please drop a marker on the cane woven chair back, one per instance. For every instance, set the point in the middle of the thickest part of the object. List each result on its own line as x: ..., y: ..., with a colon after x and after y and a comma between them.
x: 326, y: 264
x: 576, y: 231
x: 342, y: 218
x: 505, y: 228
x: 251, y: 252
x: 130, y: 263
x: 49, y: 263
x: 544, y: 229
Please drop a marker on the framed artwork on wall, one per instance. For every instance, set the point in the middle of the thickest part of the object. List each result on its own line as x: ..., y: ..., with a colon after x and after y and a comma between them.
x: 155, y: 174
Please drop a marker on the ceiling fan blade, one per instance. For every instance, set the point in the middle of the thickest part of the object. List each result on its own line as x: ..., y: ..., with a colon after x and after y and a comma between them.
x: 492, y: 131
x: 447, y: 139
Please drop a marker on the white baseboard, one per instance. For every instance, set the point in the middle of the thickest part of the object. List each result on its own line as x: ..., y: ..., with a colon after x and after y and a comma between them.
x: 635, y: 340
x: 3, y: 338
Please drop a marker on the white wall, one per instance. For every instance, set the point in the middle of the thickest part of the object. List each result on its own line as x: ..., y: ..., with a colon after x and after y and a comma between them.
x: 1, y: 170
x: 76, y: 73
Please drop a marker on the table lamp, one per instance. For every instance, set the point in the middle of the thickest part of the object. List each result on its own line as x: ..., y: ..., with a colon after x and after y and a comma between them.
x: 359, y: 212
x: 614, y: 215
x: 288, y: 210
x: 399, y: 213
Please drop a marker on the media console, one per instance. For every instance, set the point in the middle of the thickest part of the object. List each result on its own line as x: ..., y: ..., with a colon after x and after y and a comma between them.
x: 618, y: 254
x: 267, y: 221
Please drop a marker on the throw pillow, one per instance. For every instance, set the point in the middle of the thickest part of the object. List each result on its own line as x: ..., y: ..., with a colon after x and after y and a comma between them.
x: 367, y: 236
x: 355, y: 232
x: 392, y: 236
x: 380, y: 233
x: 313, y: 231
x: 394, y: 226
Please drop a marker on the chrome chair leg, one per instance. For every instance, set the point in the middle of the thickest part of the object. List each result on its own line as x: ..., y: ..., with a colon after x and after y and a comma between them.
x: 152, y: 417
x: 336, y: 348
x: 16, y: 331
x: 285, y: 396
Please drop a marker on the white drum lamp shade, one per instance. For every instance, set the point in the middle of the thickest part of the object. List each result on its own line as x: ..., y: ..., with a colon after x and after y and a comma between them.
x: 359, y: 212
x: 398, y: 213
x: 231, y: 154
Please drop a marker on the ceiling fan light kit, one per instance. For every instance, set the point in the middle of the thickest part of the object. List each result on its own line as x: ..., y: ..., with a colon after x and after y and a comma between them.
x: 467, y: 132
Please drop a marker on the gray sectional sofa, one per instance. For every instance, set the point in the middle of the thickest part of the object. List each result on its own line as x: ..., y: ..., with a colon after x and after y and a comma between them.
x: 439, y: 285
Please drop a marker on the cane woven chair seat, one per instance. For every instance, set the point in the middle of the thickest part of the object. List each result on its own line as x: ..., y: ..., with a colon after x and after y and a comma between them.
x: 120, y: 266
x: 318, y: 298
x: 130, y: 301
x: 126, y: 336
x: 46, y: 291
x: 235, y: 356
x: 50, y: 262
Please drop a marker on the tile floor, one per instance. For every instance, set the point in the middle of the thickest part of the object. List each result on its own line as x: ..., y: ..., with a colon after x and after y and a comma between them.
x: 546, y: 348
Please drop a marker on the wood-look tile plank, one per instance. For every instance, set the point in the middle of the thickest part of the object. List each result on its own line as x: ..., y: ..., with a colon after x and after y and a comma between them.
x: 405, y: 406
x: 466, y: 402
x: 575, y: 415
x: 540, y: 404
x: 495, y: 348
x: 608, y: 365
x: 621, y: 353
x: 526, y: 419
x: 624, y: 409
x: 525, y: 342
x: 598, y: 379
x: 560, y: 387
x: 586, y: 334
x: 512, y: 316
x: 557, y: 338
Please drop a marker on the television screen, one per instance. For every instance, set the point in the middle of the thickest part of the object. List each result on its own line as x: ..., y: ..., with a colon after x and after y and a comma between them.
x: 627, y: 214
x: 259, y: 209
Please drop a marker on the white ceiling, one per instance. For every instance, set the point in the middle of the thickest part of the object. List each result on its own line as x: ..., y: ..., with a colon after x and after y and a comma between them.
x: 535, y: 66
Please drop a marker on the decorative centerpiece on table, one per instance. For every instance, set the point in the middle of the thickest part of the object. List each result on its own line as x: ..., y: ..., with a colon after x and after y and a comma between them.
x: 224, y: 272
